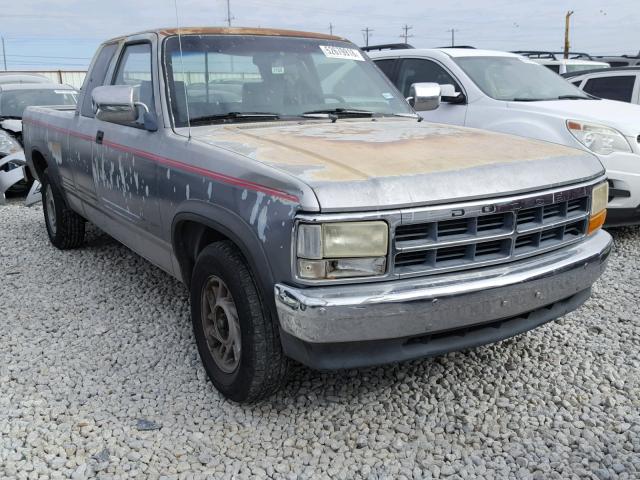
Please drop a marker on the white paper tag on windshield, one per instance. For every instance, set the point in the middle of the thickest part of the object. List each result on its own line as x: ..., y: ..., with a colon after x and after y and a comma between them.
x: 341, y: 52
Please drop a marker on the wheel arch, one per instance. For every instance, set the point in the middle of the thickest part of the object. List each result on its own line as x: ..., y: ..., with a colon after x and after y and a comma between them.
x: 200, y: 225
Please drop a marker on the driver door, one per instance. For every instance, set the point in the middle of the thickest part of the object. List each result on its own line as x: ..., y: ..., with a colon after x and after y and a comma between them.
x: 125, y: 176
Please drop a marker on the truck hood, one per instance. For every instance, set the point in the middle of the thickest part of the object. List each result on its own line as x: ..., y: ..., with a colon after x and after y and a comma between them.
x: 622, y: 116
x: 394, y: 162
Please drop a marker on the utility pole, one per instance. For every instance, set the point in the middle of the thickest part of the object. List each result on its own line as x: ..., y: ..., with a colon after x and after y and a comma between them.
x: 366, y: 32
x: 330, y: 28
x: 566, y: 33
x: 229, y: 17
x: 406, y: 35
x: 453, y: 36
x: 4, y: 55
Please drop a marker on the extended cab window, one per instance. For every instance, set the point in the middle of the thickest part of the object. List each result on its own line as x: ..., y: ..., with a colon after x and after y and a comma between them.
x: 96, y: 77
x: 134, y: 69
x: 416, y: 70
x: 613, y: 88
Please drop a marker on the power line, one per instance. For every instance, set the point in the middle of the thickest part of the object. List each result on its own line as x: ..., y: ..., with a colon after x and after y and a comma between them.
x: 366, y: 33
x: 48, y: 56
x: 406, y: 35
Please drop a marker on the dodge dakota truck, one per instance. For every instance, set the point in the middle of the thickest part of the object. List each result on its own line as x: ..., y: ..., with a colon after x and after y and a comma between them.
x: 312, y: 215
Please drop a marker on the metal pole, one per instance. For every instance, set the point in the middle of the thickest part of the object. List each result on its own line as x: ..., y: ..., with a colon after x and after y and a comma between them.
x: 4, y: 55
x: 366, y: 32
x: 330, y: 28
x: 566, y: 33
x: 228, y: 13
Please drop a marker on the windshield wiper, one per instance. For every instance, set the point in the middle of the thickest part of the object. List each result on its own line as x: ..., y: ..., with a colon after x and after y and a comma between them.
x: 530, y: 99
x: 236, y: 116
x: 338, y: 112
x: 574, y: 97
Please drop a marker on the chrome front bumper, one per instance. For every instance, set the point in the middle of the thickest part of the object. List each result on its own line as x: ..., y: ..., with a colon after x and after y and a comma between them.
x: 428, y: 305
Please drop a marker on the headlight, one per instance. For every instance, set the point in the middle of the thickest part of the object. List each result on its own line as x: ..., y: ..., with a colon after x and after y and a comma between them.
x: 8, y: 144
x: 342, y: 250
x: 599, y: 200
x: 598, y: 138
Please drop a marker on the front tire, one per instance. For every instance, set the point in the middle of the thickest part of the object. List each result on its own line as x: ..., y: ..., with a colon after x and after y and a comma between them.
x: 236, y: 337
x: 64, y: 226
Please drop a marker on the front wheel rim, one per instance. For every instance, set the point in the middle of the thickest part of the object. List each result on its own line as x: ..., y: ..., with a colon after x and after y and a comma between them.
x: 221, y: 324
x: 51, y: 209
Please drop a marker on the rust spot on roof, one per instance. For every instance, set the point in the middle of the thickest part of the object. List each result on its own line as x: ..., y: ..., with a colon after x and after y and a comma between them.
x: 232, y: 31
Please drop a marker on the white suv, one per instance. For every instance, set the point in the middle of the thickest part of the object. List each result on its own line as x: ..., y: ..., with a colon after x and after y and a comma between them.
x: 509, y: 93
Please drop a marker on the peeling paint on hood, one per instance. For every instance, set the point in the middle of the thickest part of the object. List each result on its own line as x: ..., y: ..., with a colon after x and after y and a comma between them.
x: 388, y: 163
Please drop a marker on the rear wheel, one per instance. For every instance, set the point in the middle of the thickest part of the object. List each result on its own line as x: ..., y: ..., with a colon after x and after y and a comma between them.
x: 236, y: 337
x: 64, y: 226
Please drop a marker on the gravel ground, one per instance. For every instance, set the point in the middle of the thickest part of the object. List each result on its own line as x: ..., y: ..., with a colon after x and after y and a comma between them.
x: 100, y: 376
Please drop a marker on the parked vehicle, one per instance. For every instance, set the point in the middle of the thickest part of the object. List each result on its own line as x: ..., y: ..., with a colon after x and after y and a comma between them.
x: 14, y: 98
x: 308, y: 209
x: 508, y: 93
x: 619, y: 83
x: 555, y: 61
x: 13, y: 77
x: 619, y: 61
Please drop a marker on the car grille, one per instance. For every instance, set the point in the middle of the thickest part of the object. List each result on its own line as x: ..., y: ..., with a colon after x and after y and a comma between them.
x: 449, y: 239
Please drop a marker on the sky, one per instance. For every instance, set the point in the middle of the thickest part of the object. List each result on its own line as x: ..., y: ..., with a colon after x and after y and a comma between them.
x: 63, y: 34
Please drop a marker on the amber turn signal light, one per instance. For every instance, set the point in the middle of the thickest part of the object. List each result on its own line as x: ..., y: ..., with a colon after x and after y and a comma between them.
x: 597, y: 221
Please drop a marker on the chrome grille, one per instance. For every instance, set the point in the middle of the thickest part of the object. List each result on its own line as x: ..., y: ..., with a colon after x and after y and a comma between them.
x: 437, y: 240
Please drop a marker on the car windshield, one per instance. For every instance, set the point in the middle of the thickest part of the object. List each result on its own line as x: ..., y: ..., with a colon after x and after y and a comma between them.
x: 227, y: 78
x: 517, y: 79
x: 13, y: 102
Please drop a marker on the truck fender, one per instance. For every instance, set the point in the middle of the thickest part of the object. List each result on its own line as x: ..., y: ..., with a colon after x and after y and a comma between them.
x: 230, y: 225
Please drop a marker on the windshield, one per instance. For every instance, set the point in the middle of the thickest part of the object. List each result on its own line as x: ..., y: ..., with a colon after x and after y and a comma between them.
x: 220, y: 77
x: 13, y: 102
x: 517, y: 79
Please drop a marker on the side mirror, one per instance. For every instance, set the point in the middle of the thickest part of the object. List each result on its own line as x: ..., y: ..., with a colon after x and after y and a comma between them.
x: 424, y: 96
x: 114, y: 104
x: 448, y: 94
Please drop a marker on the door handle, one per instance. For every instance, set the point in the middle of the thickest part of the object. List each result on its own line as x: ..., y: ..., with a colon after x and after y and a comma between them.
x: 99, y: 137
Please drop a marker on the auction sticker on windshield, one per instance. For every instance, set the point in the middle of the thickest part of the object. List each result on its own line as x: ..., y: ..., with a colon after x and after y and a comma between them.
x: 341, y: 52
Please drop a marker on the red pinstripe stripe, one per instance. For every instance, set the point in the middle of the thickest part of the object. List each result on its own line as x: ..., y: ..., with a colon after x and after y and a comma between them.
x: 221, y: 177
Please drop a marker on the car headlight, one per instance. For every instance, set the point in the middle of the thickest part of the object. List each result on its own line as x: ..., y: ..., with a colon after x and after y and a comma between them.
x: 599, y: 200
x: 8, y: 144
x: 598, y: 138
x: 342, y: 250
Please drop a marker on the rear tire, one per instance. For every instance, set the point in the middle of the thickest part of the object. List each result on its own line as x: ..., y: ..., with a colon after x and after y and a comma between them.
x: 64, y: 226
x: 237, y: 339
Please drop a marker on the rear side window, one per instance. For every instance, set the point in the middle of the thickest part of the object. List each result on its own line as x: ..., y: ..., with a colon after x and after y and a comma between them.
x: 618, y: 64
x: 555, y: 68
x: 577, y: 83
x: 96, y: 78
x: 613, y: 88
x: 416, y: 70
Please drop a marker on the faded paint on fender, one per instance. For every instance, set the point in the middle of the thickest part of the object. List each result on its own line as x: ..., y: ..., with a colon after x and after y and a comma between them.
x: 361, y: 150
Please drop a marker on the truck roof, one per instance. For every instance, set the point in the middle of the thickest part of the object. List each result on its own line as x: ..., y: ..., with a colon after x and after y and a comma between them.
x: 166, y: 32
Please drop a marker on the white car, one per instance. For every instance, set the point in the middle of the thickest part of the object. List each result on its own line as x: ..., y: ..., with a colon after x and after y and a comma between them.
x: 620, y: 83
x: 509, y: 93
x: 555, y: 62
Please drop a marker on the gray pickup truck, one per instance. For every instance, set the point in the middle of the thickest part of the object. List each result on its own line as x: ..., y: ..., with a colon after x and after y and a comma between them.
x: 309, y: 210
